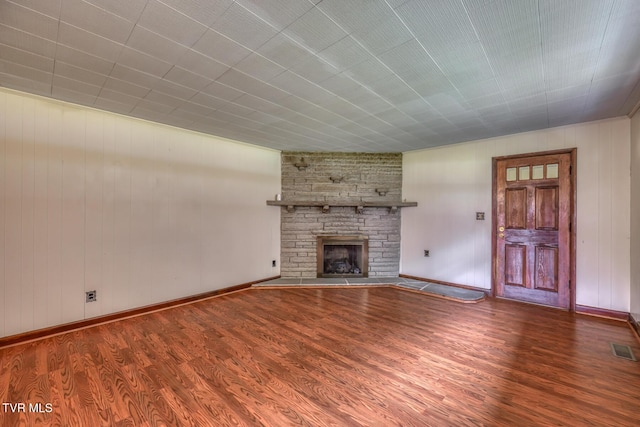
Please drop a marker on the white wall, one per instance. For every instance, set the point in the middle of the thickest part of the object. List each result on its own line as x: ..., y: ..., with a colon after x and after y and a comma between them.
x: 635, y: 217
x: 140, y: 212
x: 452, y: 183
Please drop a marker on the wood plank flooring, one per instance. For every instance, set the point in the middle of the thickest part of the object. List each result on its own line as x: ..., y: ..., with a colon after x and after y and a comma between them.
x: 321, y: 357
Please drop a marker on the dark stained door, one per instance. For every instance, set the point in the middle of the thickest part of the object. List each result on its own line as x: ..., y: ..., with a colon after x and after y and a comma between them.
x: 532, y: 234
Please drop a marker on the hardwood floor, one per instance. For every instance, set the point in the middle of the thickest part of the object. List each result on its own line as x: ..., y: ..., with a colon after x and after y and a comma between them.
x: 314, y: 357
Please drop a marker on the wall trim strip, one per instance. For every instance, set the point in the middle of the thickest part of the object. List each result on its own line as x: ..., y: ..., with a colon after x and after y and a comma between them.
x: 603, y: 312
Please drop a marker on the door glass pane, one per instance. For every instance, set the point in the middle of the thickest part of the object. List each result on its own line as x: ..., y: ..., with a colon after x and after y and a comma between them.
x: 511, y: 174
x: 552, y: 170
x: 538, y: 172
x: 524, y: 173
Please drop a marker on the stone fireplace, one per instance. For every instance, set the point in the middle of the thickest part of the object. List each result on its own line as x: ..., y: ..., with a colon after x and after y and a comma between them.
x: 342, y: 256
x: 335, y: 197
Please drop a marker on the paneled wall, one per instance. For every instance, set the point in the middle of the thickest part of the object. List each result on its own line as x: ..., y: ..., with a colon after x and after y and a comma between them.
x: 452, y: 183
x: 635, y: 217
x: 140, y: 212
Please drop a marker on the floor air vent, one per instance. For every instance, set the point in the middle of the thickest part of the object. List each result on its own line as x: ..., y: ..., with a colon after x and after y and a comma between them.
x: 623, y: 351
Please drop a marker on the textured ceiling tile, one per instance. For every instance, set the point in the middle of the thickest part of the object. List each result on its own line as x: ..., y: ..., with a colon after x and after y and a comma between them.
x: 510, y: 35
x: 221, y: 48
x: 25, y: 85
x: 79, y: 74
x: 463, y: 63
x: 203, y: 11
x: 296, y: 85
x: 410, y: 59
x: 155, y: 45
x: 142, y: 62
x: 354, y: 15
x: 369, y: 72
x: 29, y: 21
x: 87, y: 42
x: 617, y: 55
x: 259, y: 104
x: 202, y: 65
x: 474, y: 89
x: 342, y: 84
x: 244, y: 27
x: 133, y: 76
x: 383, y: 35
x: 164, y: 99
x: 153, y: 107
x: 173, y: 89
x: 442, y: 22
x: 28, y: 59
x: 345, y: 53
x: 187, y: 116
x: 299, y: 105
x: 278, y: 13
x: 492, y: 99
x: 236, y: 109
x: 22, y: 71
x: 83, y: 60
x: 72, y: 96
x: 335, y: 111
x: 127, y: 9
x: 114, y: 90
x: 186, y: 78
x: 370, y: 102
x: 259, y: 67
x: 112, y: 105
x: 315, y: 69
x: 49, y: 8
x: 315, y: 31
x: 28, y: 42
x: 284, y: 51
x: 115, y: 85
x: 95, y: 20
x: 222, y: 91
x: 201, y: 109
x: 394, y: 90
x: 60, y: 82
x: 397, y: 117
x: 169, y: 23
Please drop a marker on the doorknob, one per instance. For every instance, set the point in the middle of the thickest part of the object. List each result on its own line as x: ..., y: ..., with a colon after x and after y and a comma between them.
x: 501, y: 229
x: 501, y: 235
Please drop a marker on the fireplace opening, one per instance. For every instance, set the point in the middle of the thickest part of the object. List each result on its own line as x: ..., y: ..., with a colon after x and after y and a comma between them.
x: 343, y: 256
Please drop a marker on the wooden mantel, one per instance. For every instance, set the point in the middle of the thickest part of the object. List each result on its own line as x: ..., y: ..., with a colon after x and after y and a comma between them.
x: 326, y: 206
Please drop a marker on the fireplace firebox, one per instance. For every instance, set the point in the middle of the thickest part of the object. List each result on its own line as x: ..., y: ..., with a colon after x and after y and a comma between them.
x: 343, y: 256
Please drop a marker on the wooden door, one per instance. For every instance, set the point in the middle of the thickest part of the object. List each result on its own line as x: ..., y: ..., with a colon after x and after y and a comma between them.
x: 533, y: 214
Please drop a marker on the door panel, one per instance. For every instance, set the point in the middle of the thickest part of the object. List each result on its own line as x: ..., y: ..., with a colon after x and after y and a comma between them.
x: 515, y: 265
x: 546, y: 268
x: 547, y: 208
x: 532, y: 223
x: 516, y: 208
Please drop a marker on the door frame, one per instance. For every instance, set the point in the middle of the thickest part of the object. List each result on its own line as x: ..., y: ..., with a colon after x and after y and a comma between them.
x: 572, y: 217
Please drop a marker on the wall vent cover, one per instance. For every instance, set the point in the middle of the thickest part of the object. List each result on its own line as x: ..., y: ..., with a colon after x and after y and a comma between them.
x: 623, y: 351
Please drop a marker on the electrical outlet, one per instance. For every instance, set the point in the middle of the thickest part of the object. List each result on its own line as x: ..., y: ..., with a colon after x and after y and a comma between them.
x: 273, y: 263
x: 426, y: 252
x: 91, y: 296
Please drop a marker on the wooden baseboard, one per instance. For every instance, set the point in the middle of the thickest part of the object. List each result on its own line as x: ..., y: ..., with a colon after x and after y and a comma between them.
x: 635, y: 325
x: 602, y: 312
x: 440, y: 282
x: 108, y: 318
